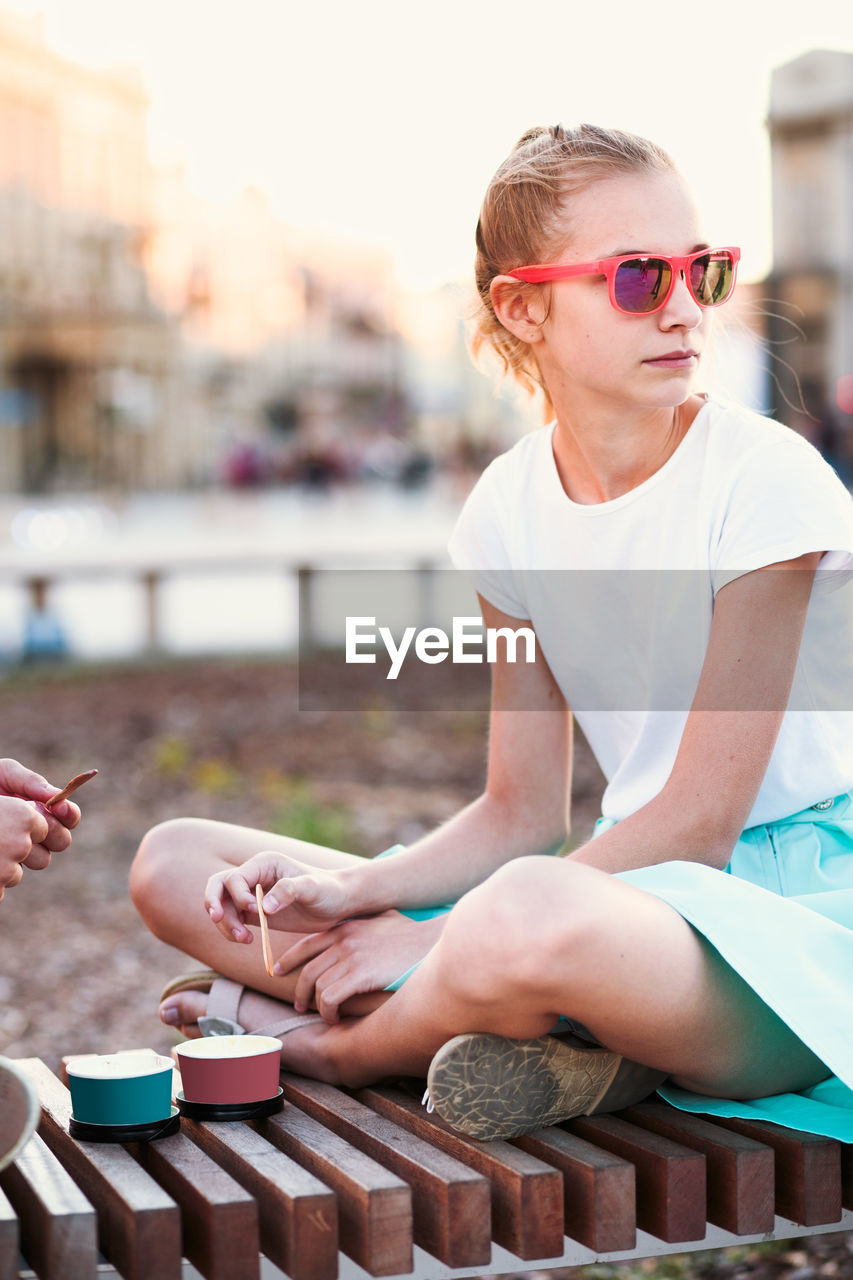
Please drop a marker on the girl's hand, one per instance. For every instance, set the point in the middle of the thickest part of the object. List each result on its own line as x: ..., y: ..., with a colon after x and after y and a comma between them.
x: 299, y: 898
x: 355, y: 957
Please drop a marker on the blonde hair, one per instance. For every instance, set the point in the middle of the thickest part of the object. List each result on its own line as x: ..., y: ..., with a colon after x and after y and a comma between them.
x: 523, y: 218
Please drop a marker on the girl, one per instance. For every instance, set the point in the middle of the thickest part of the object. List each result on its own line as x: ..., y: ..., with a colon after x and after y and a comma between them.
x: 684, y: 564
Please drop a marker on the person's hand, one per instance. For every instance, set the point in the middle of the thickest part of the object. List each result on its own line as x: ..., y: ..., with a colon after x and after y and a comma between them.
x: 22, y: 829
x: 30, y: 833
x: 354, y: 957
x: 298, y: 897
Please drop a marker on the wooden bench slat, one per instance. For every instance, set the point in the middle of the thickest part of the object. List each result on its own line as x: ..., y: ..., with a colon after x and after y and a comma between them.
x: 451, y: 1203
x: 526, y: 1193
x: 741, y: 1171
x: 847, y: 1175
x: 671, y: 1184
x: 808, y: 1170
x: 139, y: 1225
x: 58, y: 1226
x: 374, y: 1205
x: 298, y: 1214
x: 9, y: 1239
x: 600, y: 1201
x: 219, y: 1218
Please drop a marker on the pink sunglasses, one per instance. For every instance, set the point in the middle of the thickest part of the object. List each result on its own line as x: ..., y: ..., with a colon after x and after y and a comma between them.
x: 641, y: 285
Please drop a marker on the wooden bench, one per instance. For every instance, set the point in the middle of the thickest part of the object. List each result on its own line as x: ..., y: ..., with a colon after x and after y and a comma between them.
x: 363, y: 1183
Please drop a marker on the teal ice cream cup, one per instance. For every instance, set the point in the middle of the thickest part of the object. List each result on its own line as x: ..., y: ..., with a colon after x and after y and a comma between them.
x: 120, y: 1088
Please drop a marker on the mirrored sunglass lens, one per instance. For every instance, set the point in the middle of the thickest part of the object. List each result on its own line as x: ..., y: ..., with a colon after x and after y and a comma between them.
x: 641, y: 284
x: 711, y: 278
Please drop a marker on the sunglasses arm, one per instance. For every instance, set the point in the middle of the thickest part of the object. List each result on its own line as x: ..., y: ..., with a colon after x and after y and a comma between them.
x: 539, y: 273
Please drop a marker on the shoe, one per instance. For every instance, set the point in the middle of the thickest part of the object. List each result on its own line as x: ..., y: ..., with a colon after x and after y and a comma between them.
x: 224, y: 1003
x: 489, y: 1086
x: 20, y: 1110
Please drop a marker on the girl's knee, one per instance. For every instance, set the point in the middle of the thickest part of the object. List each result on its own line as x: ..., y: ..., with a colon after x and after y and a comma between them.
x: 538, y: 900
x: 511, y: 930
x: 157, y: 865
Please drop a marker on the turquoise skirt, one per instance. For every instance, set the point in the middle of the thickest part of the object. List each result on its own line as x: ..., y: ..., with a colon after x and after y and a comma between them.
x: 781, y: 915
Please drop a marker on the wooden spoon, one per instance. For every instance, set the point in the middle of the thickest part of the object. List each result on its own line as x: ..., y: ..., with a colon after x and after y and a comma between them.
x: 69, y: 788
x: 265, y: 933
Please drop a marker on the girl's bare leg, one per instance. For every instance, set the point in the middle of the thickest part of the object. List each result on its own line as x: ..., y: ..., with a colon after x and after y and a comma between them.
x: 167, y: 881
x: 544, y: 937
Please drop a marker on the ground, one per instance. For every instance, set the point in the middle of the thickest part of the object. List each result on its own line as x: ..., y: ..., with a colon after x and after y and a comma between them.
x: 225, y: 739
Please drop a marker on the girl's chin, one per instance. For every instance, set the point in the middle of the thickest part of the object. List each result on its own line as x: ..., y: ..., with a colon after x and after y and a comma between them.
x: 678, y: 392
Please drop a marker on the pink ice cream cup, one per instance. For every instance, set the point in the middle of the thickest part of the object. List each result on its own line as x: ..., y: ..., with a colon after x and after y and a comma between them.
x: 229, y: 1069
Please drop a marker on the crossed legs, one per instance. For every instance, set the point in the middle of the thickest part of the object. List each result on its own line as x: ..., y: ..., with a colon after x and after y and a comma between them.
x: 544, y: 937
x: 541, y: 937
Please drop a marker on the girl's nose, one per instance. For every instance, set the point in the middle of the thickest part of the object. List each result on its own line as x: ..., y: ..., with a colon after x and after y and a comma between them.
x: 681, y: 307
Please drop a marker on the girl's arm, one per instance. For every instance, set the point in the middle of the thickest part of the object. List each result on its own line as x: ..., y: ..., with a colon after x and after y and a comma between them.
x: 523, y: 810
x: 731, y: 730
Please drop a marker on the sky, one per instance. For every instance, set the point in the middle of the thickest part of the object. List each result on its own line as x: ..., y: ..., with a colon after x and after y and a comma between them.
x: 383, y: 120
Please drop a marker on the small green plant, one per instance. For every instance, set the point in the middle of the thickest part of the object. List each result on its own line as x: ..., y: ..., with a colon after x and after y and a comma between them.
x: 300, y: 814
x: 216, y: 777
x: 172, y: 756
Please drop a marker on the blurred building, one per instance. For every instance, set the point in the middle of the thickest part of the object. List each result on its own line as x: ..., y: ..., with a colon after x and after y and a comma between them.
x: 86, y: 360
x: 290, y: 341
x: 811, y: 136
x: 466, y: 412
x: 148, y: 339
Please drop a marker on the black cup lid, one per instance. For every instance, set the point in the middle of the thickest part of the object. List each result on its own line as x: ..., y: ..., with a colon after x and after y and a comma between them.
x: 125, y: 1132
x: 229, y: 1110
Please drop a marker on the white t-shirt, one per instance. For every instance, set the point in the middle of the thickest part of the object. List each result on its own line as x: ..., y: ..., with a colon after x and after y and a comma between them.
x: 621, y: 594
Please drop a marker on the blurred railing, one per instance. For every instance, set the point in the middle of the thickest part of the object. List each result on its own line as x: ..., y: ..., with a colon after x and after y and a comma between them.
x: 39, y: 583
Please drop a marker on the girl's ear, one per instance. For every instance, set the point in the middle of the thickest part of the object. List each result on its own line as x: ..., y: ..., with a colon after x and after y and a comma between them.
x: 521, y: 308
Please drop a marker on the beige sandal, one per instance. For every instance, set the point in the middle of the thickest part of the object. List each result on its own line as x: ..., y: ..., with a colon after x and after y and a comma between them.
x: 489, y: 1086
x: 20, y: 1110
x: 224, y: 1002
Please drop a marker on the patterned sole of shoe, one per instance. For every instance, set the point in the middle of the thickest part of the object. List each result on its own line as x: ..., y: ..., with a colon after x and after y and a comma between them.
x: 489, y: 1086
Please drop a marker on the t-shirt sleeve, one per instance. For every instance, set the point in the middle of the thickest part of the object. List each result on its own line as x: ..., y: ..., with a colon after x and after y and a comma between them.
x: 480, y: 546
x: 785, y: 502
